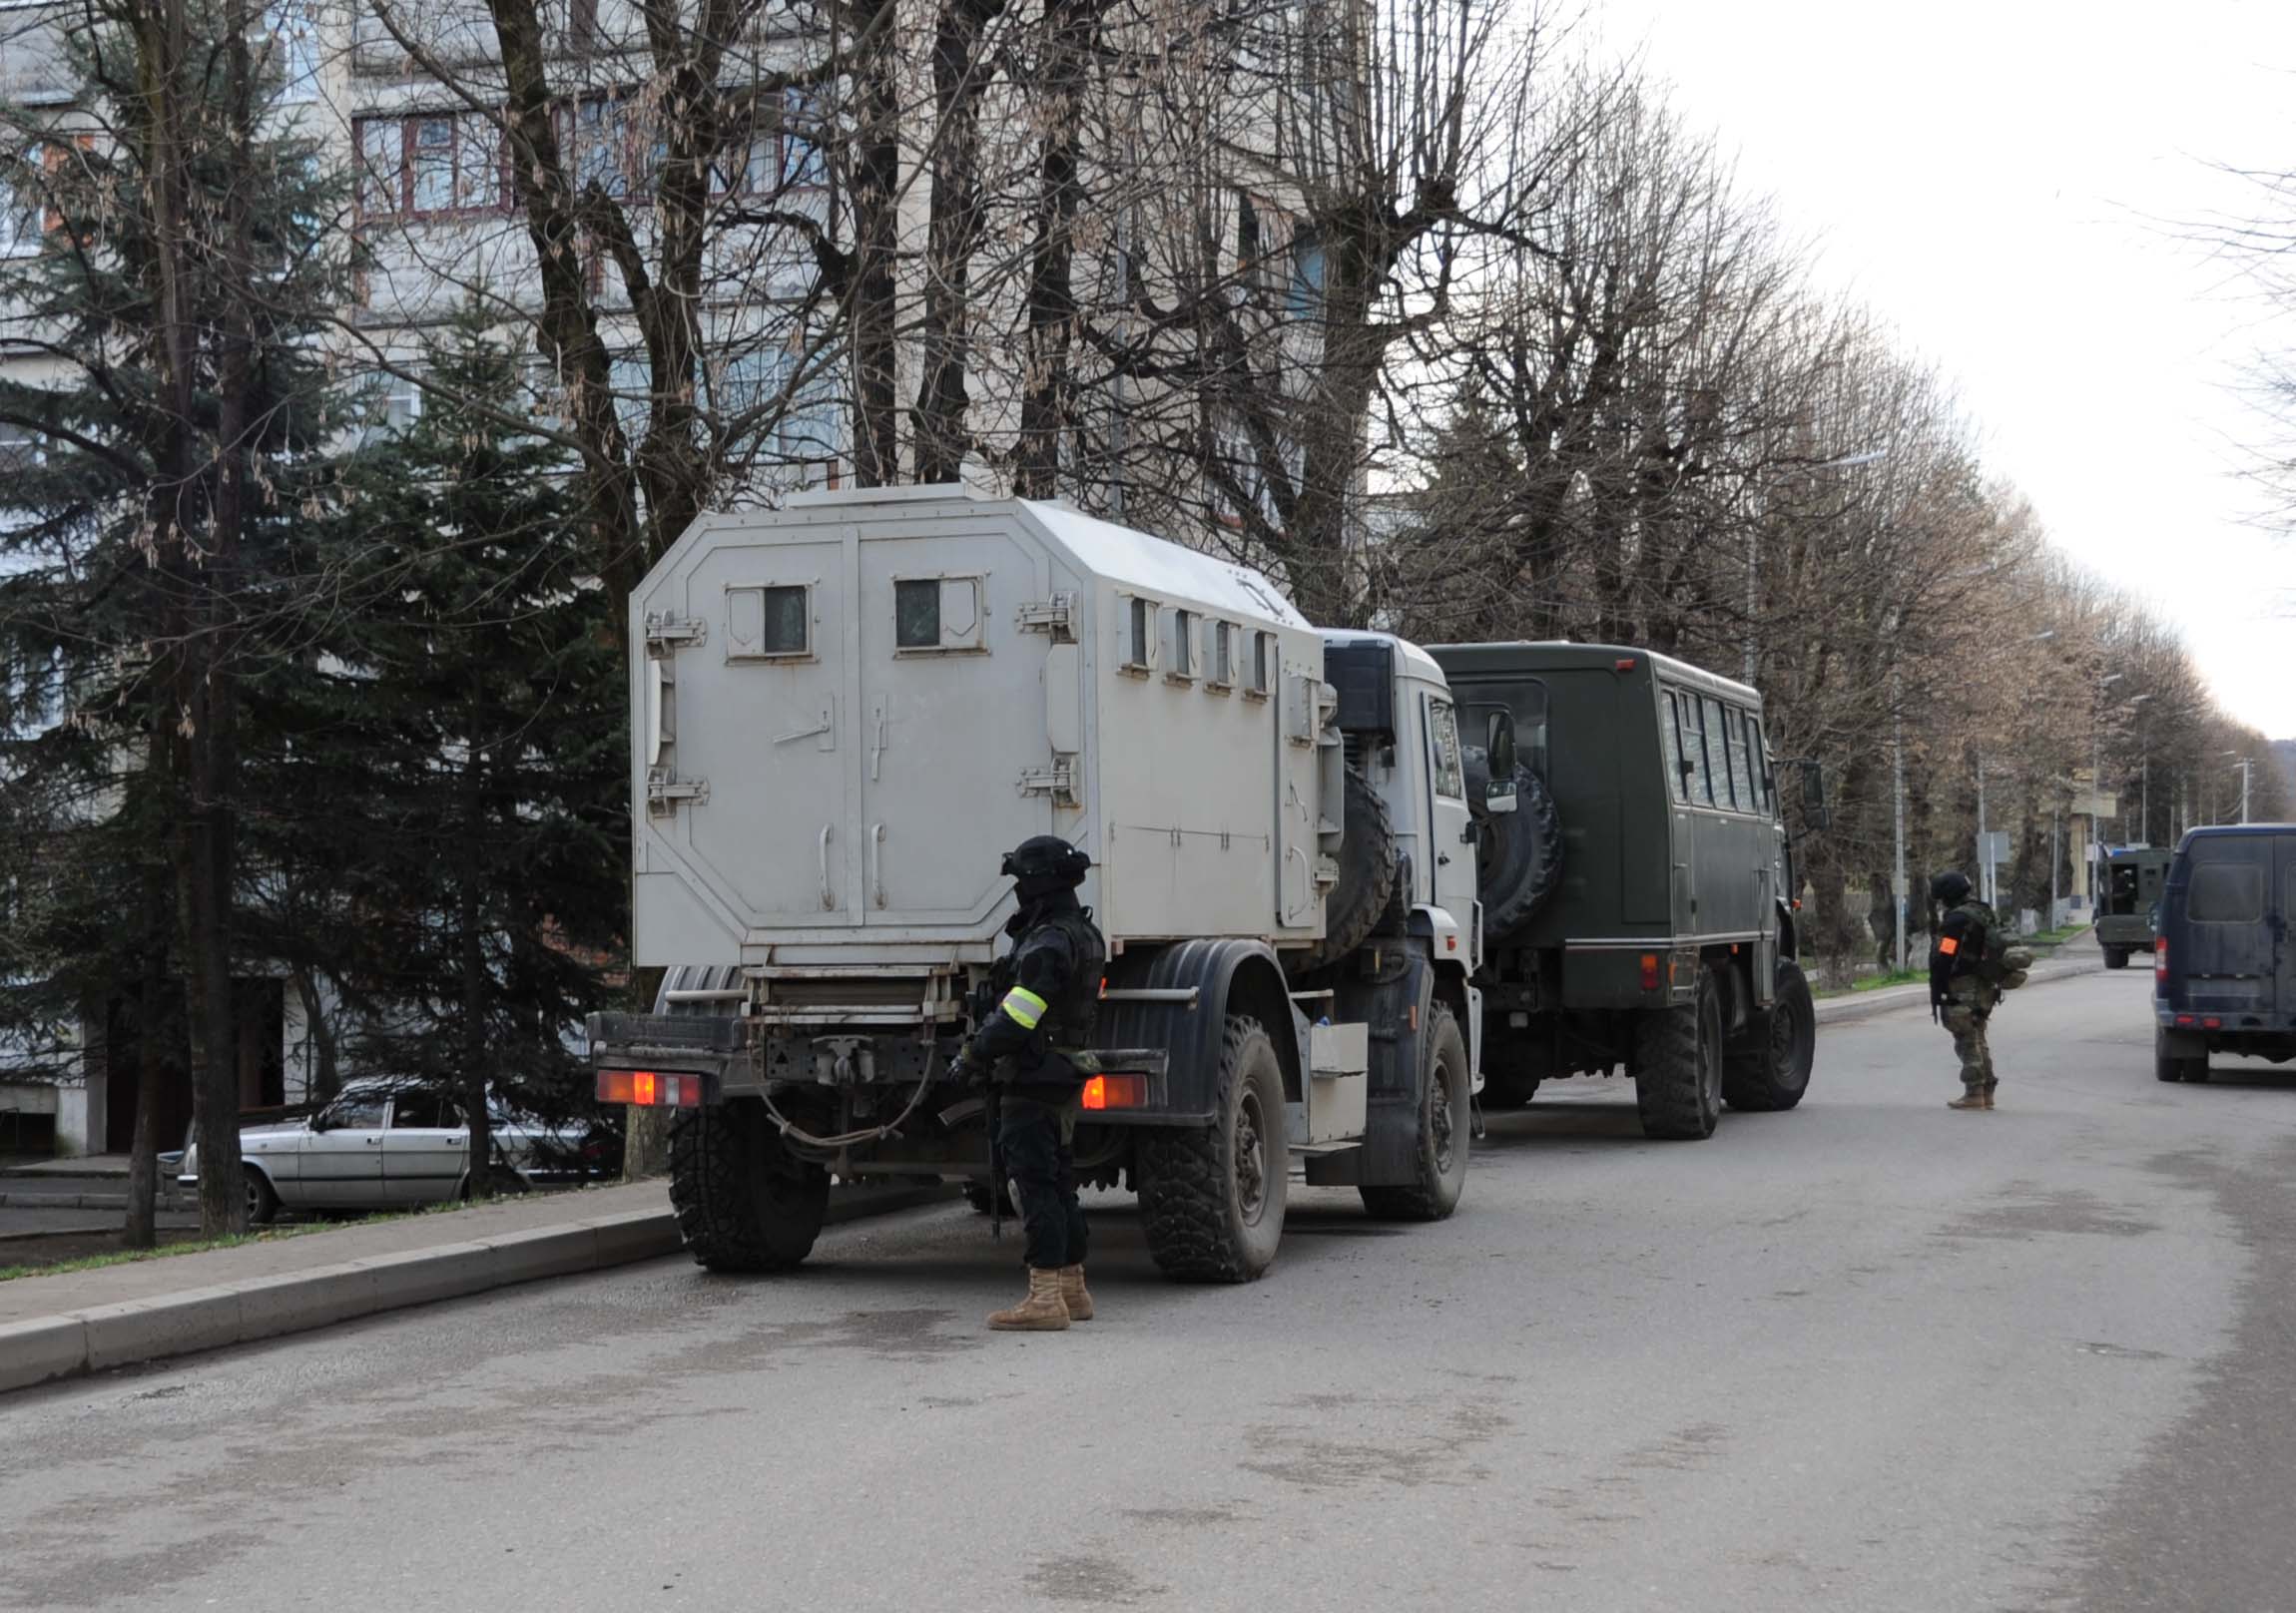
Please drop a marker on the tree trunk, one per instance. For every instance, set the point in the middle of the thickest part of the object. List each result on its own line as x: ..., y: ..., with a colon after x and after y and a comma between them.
x: 141, y: 1230
x: 326, y: 1080
x: 952, y: 234
x: 1045, y: 402
x: 475, y: 994
x: 876, y: 235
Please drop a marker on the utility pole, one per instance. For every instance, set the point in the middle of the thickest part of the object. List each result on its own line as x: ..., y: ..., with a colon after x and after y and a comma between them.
x: 1984, y: 852
x: 1897, y: 891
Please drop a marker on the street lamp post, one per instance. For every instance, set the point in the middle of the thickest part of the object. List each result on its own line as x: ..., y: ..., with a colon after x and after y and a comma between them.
x: 2096, y: 775
x: 2244, y: 763
x: 2145, y: 781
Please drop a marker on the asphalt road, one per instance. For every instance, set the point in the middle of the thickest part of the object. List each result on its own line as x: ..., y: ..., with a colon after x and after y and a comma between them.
x: 1869, y: 1355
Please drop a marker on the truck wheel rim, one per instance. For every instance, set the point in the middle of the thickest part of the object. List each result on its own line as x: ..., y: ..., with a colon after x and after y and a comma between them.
x: 1251, y: 1160
x: 1785, y: 1037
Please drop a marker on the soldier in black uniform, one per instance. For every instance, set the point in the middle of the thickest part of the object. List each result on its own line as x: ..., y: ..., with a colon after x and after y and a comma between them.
x: 1031, y: 1046
x: 1960, y: 993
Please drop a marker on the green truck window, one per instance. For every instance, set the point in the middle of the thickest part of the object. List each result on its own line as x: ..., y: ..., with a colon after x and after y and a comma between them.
x: 1717, y: 758
x: 1694, y: 751
x: 1670, y: 741
x: 1741, y: 776
x: 1758, y: 753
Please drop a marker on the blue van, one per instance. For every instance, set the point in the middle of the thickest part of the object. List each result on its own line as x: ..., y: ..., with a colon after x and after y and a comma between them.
x: 2223, y: 966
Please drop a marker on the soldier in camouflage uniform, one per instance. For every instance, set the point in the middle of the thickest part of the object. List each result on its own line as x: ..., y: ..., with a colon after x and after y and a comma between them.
x: 1959, y: 994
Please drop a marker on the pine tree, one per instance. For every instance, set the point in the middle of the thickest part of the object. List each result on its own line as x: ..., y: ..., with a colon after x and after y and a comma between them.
x: 470, y: 730
x: 170, y: 393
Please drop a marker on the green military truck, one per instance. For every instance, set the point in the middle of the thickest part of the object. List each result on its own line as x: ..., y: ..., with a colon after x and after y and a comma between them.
x: 2129, y: 881
x: 1639, y: 908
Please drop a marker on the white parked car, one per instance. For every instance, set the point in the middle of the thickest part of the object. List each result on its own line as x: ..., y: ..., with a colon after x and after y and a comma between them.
x: 383, y: 1145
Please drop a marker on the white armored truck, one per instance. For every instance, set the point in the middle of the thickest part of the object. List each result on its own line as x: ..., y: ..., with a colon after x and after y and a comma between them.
x: 847, y: 711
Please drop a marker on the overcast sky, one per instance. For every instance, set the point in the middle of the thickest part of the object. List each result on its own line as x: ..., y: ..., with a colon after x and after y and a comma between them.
x: 1985, y: 175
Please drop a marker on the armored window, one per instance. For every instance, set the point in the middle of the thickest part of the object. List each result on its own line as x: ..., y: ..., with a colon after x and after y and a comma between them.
x: 768, y: 622
x: 1139, y: 634
x: 1180, y: 665
x: 1443, y: 743
x: 1758, y: 757
x: 1670, y: 741
x: 1741, y: 777
x: 1221, y: 674
x: 1263, y: 664
x: 937, y: 615
x: 2227, y: 893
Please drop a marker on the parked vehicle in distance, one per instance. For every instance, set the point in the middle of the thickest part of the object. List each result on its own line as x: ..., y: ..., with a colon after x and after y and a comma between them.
x: 1638, y: 905
x: 388, y: 1145
x: 2223, y: 964
x: 2129, y: 885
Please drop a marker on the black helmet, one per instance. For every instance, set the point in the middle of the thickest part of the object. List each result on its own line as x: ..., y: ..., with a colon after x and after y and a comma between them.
x: 1044, y: 864
x: 1949, y: 887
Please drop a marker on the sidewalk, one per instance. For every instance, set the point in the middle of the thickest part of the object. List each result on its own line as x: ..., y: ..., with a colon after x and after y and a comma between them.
x: 81, y: 1321
x: 2080, y: 956
x: 108, y: 1167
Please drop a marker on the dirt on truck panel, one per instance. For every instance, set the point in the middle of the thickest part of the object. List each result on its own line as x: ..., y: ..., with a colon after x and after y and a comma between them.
x: 1275, y: 818
x: 1642, y: 916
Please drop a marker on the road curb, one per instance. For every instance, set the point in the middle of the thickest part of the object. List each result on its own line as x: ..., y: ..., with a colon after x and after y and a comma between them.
x: 43, y: 1349
x: 1870, y: 1004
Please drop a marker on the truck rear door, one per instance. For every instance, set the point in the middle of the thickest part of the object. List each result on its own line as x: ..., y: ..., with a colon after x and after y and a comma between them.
x: 2229, y: 965
x: 2283, y: 942
x: 953, y: 761
x: 745, y: 700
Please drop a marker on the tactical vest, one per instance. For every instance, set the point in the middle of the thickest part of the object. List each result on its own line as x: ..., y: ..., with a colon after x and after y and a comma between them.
x: 1071, y: 1017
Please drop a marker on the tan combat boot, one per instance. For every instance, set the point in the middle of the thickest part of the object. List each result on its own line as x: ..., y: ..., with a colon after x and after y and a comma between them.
x: 1971, y: 1098
x: 1988, y: 1089
x: 1074, y: 1294
x: 1041, y: 1311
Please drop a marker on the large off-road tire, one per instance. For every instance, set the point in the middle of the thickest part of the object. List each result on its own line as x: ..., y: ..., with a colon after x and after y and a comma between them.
x: 1678, y: 1066
x: 1770, y: 1070
x: 1367, y: 875
x: 1519, y: 858
x: 1212, y: 1199
x: 743, y: 1202
x: 1440, y: 1158
x: 2116, y: 957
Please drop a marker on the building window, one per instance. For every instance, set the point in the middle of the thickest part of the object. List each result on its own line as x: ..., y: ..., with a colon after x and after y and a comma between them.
x: 293, y: 26
x: 432, y: 165
x: 21, y: 216
x: 1307, y: 294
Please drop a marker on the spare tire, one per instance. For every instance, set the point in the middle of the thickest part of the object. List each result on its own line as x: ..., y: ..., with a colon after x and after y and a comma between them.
x: 1519, y: 858
x: 1367, y: 875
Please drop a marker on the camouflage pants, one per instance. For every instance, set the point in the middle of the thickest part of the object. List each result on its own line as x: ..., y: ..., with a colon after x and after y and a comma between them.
x: 1969, y: 1004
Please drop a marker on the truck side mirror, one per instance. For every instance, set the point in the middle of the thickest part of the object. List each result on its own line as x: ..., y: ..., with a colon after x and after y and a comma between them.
x: 1498, y: 794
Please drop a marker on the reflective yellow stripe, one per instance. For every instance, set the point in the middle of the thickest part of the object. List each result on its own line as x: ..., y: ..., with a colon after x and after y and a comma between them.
x: 1024, y: 1007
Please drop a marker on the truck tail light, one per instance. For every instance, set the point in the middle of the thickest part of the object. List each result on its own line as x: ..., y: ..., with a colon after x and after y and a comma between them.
x: 1116, y: 1092
x: 1650, y: 971
x: 2161, y: 959
x: 650, y: 1089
